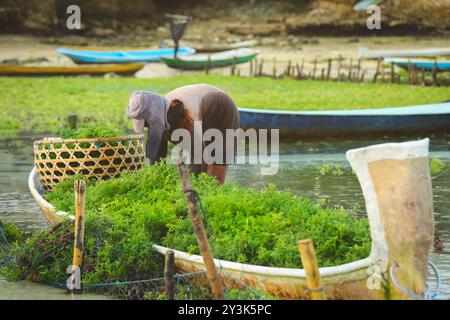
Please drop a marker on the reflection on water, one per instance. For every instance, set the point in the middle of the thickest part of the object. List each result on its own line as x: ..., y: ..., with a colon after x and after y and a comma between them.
x: 300, y: 165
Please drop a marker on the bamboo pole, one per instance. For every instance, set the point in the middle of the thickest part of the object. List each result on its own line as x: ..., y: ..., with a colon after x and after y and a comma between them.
x: 288, y: 71
x: 309, y: 262
x: 376, y: 71
x: 202, y: 239
x: 78, y: 246
x: 301, y: 69
x: 392, y: 73
x: 314, y: 69
x: 169, y: 269
x: 424, y: 82
x: 274, y: 71
x: 350, y: 69
x: 208, y: 62
x: 435, y: 71
x: 339, y: 67
x: 328, y: 69
x: 251, y: 68
x: 233, y: 66
x: 260, y: 72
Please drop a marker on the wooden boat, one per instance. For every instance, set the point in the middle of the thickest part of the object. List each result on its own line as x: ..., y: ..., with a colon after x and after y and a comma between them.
x: 413, y: 53
x: 355, y: 280
x: 214, y: 60
x: 202, y: 48
x: 396, y: 121
x: 117, y: 56
x: 128, y: 68
x: 419, y: 64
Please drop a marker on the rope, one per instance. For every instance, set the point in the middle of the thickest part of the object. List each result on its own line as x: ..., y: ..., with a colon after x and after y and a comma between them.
x: 427, y: 295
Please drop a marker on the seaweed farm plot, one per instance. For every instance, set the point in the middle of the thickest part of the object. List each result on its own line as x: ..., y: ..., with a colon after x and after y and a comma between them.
x: 126, y: 216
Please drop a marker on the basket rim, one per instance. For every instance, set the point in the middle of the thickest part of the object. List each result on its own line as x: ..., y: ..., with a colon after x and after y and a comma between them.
x: 109, y: 139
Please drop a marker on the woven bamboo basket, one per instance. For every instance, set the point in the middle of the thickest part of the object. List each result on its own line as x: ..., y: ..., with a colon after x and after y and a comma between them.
x: 57, y: 159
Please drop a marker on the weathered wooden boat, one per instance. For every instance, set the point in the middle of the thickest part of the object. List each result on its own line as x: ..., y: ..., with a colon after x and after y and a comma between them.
x: 395, y: 121
x: 214, y: 60
x: 420, y: 64
x: 117, y: 56
x: 128, y: 68
x: 412, y: 53
x: 399, y: 169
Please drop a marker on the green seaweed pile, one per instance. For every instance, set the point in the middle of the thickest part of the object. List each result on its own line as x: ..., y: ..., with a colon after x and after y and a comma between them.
x: 127, y: 215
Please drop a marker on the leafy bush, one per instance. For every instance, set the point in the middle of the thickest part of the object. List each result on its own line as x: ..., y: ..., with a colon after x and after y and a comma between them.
x: 125, y: 216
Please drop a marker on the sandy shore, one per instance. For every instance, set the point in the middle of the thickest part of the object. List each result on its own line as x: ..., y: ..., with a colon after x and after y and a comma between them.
x: 309, y: 49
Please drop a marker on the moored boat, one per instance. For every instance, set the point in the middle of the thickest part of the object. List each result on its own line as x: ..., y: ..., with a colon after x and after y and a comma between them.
x: 412, y: 53
x: 396, y: 121
x: 118, y: 56
x: 128, y: 68
x: 214, y: 60
x: 355, y: 280
x: 420, y: 64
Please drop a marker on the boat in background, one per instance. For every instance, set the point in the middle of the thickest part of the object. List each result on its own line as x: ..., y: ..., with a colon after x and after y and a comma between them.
x: 20, y: 70
x: 412, y: 53
x: 365, y: 122
x: 118, y: 56
x: 213, y: 60
x: 419, y: 64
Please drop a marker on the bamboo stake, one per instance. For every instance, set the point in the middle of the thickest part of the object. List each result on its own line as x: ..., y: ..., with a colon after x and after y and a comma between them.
x: 202, y: 239
x: 309, y: 262
x: 339, y: 67
x: 322, y: 77
x: 435, y: 71
x: 274, y: 71
x: 314, y: 69
x: 233, y: 66
x: 350, y: 69
x: 358, y: 70
x: 78, y: 246
x: 329, y: 69
x: 288, y: 71
x: 251, y: 68
x: 301, y: 69
x: 423, y: 77
x: 208, y: 64
x: 392, y: 72
x: 376, y: 71
x: 169, y: 269
x: 297, y: 67
x: 261, y: 67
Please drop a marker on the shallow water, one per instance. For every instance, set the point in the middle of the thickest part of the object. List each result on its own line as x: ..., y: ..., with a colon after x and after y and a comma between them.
x: 300, y: 165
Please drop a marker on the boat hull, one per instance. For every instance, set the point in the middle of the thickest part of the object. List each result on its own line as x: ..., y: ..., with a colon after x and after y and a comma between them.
x: 393, y: 121
x: 130, y: 56
x: 427, y: 65
x: 347, y: 281
x: 128, y: 68
x: 202, y: 64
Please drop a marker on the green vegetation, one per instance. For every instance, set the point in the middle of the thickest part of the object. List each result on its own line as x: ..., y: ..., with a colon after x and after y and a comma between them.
x: 43, y: 104
x: 10, y: 232
x: 125, y: 216
x: 436, y: 166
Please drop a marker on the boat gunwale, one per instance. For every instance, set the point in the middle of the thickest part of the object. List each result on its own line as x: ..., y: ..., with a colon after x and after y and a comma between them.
x: 388, y: 111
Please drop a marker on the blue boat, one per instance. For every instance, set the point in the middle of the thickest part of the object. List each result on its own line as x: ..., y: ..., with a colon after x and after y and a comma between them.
x: 121, y: 56
x: 393, y: 121
x: 427, y: 65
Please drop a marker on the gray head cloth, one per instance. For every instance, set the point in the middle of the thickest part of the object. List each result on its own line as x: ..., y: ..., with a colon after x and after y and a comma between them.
x: 146, y: 107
